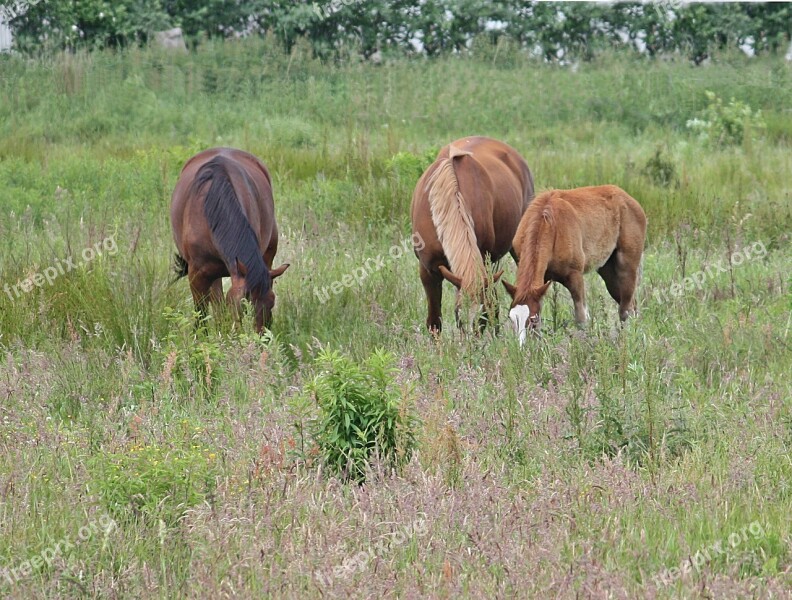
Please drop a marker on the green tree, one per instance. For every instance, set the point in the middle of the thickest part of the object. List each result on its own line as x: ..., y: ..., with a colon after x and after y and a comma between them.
x: 336, y: 28
x: 57, y: 24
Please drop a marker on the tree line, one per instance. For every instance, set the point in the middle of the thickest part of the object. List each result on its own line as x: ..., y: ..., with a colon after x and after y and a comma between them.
x: 553, y: 31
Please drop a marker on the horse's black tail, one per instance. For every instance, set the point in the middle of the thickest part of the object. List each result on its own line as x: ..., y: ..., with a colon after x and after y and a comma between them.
x: 179, y: 266
x: 230, y: 229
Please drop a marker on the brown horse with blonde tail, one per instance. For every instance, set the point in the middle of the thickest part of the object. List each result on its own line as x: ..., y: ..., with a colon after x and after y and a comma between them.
x: 223, y: 220
x: 465, y: 209
x: 566, y: 233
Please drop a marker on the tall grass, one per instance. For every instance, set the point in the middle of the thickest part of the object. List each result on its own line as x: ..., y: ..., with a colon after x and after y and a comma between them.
x: 589, y: 463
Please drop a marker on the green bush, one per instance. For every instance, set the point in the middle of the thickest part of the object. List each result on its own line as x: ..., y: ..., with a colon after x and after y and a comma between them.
x: 291, y: 132
x: 361, y: 415
x: 726, y: 124
x: 194, y: 347
x: 408, y: 167
x: 339, y: 29
x: 660, y: 169
x: 152, y: 481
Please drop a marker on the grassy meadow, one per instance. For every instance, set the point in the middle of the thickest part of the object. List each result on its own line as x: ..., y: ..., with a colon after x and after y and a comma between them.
x: 140, y: 457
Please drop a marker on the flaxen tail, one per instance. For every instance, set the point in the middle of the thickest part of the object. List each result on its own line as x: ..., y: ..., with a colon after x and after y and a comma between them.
x: 454, y: 223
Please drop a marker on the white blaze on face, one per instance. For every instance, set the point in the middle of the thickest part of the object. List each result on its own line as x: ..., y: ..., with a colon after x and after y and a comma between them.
x: 519, y: 317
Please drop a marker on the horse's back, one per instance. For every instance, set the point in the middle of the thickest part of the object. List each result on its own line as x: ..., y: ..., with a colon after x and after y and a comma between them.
x: 595, y: 200
x: 615, y: 199
x: 504, y: 168
x: 250, y: 163
x: 598, y: 219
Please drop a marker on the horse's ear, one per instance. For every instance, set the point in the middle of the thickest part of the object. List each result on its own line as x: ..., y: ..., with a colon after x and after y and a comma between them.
x: 279, y: 271
x: 457, y: 281
x: 543, y: 289
x: 497, y: 276
x: 241, y: 268
x: 509, y: 288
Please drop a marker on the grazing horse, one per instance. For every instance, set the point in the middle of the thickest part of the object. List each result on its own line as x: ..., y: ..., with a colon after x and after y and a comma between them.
x: 467, y: 206
x: 566, y: 233
x: 224, y: 225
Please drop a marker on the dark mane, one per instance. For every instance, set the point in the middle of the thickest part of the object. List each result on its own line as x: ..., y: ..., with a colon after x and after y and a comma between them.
x: 231, y: 231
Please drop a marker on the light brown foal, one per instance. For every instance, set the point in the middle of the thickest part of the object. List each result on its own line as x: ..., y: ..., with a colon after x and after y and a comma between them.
x: 567, y: 233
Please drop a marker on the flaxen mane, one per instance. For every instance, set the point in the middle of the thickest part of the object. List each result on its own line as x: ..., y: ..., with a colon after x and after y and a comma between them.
x: 535, y: 241
x: 454, y: 223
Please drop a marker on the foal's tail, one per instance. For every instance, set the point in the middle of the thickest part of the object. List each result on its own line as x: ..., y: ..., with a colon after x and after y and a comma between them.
x: 454, y: 223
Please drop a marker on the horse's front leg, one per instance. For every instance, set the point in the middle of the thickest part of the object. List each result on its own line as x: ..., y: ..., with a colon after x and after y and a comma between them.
x: 216, y: 292
x: 577, y: 289
x: 204, y: 290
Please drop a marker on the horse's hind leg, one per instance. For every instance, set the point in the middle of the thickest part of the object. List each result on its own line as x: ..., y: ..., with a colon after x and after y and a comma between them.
x: 433, y: 286
x: 620, y: 275
x: 216, y: 293
x: 272, y: 249
x: 609, y: 275
x: 628, y: 280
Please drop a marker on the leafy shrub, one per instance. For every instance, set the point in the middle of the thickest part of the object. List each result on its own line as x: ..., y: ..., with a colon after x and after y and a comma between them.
x: 660, y: 169
x: 153, y: 482
x: 408, y: 167
x: 726, y: 124
x: 337, y: 28
x: 500, y: 50
x: 360, y: 415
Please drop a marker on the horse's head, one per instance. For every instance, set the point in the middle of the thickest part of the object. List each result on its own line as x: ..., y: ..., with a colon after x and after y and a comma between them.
x: 482, y: 302
x: 525, y: 309
x: 260, y: 293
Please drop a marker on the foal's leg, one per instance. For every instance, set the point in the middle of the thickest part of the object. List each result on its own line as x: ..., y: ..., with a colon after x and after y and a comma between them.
x: 433, y: 286
x: 621, y: 276
x: 628, y: 280
x: 577, y: 288
x: 609, y: 275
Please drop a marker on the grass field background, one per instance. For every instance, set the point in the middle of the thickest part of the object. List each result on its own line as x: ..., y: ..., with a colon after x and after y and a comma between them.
x: 593, y: 463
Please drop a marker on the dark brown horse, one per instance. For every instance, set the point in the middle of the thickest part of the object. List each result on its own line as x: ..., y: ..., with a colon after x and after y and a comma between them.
x: 224, y: 225
x: 566, y: 233
x: 465, y: 209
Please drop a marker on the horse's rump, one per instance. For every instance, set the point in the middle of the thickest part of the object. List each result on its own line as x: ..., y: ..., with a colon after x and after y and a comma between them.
x: 453, y: 221
x: 231, y: 231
